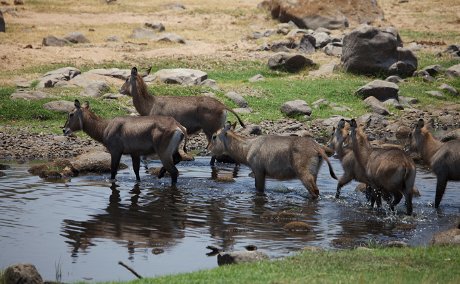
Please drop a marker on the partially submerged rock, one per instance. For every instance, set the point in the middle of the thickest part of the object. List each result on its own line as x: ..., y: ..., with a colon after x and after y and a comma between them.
x: 236, y: 257
x: 23, y: 273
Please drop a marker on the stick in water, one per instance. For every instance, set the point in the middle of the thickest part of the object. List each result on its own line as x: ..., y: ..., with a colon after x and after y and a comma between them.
x: 130, y: 269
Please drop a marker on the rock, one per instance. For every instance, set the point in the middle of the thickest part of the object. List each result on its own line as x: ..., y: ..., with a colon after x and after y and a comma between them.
x: 29, y: 95
x: 453, y: 71
x: 59, y: 106
x: 53, y: 77
x: 236, y: 257
x: 94, y: 162
x: 289, y: 62
x: 449, y: 237
x: 296, y: 107
x: 54, y: 41
x: 333, y: 49
x: 237, y: 98
x: 2, y: 23
x: 76, y: 37
x: 18, y: 2
x: 297, y: 226
x: 321, y: 39
x: 396, y: 244
x: 113, y: 38
x: 435, y: 94
x: 403, y: 132
x: 23, y: 273
x: 453, y: 50
x: 210, y: 83
x: 376, y: 105
x: 142, y: 33
x: 381, y: 90
x: 451, y: 90
x: 454, y: 134
x: 327, y: 14
x: 256, y: 78
x: 95, y: 89
x: 324, y: 70
x: 394, y: 79
x: 170, y: 37
x: 433, y: 70
x: 180, y: 76
x: 408, y: 100
x: 245, y: 110
x: 371, y: 51
x: 307, y: 43
x: 394, y: 103
x: 159, y: 27
x: 112, y: 72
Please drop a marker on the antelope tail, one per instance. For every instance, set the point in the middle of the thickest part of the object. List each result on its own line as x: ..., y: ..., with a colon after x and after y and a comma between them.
x: 331, y: 170
x: 184, y: 131
x: 239, y: 119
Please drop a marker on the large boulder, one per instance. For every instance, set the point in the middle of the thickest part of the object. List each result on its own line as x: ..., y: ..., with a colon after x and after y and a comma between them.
x: 94, y: 162
x: 54, y: 41
x: 53, y: 77
x: 59, y: 106
x: 23, y: 273
x: 289, y: 62
x: 296, y: 107
x: 380, y: 89
x: 76, y: 37
x: 449, y: 237
x: 180, y: 76
x: 335, y: 14
x: 236, y: 257
x: 372, y: 51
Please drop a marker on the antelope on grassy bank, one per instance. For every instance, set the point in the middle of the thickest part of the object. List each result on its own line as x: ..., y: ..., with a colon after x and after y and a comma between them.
x: 443, y: 158
x: 195, y: 113
x: 280, y: 157
x: 390, y: 170
x: 131, y: 135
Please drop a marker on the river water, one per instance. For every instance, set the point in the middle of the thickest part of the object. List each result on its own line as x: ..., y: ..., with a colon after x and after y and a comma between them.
x: 79, y: 229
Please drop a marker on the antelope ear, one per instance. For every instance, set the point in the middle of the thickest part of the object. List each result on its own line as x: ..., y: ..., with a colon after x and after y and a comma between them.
x: 420, y: 123
x: 147, y: 72
x: 77, y: 104
x: 353, y: 123
x: 134, y: 71
x: 341, y: 123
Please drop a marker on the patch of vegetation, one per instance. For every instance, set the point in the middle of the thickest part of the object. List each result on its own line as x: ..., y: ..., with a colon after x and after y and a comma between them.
x: 430, y: 36
x: 380, y: 265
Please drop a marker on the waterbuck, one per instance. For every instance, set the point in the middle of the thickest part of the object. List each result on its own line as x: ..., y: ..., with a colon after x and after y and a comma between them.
x: 390, y: 170
x: 280, y: 157
x: 131, y: 135
x: 443, y: 158
x: 195, y: 113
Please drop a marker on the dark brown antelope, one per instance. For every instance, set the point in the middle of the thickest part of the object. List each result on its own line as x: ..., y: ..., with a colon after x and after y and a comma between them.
x: 390, y: 170
x: 352, y: 170
x: 135, y: 136
x: 280, y: 157
x: 195, y: 113
x: 443, y: 158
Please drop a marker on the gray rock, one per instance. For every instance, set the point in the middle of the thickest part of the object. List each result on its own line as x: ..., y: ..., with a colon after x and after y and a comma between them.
x: 372, y: 120
x: 59, y: 106
x: 23, y: 273
x: 159, y: 27
x: 394, y: 79
x: 371, y: 51
x: 381, y: 90
x: 322, y: 39
x: 2, y: 23
x: 396, y: 244
x: 62, y: 74
x: 181, y: 76
x: 451, y: 90
x: 324, y: 70
x: 454, y: 134
x: 29, y: 95
x: 245, y: 110
x: 112, y: 72
x: 236, y: 257
x: 453, y: 71
x: 376, y: 105
x: 95, y: 89
x: 76, y: 37
x: 169, y: 37
x: 284, y: 28
x: 113, y: 38
x: 408, y: 100
x: 237, y: 98
x: 54, y: 41
x: 94, y: 162
x: 394, y: 103
x: 256, y: 78
x: 210, y: 83
x: 333, y: 49
x: 307, y: 43
x: 433, y: 70
x: 143, y: 33
x: 436, y: 94
x: 296, y: 107
x: 289, y: 62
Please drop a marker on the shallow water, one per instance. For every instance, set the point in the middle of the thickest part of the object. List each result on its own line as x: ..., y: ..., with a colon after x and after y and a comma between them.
x: 82, y: 228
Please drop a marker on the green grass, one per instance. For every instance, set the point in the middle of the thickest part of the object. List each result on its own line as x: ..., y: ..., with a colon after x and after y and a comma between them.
x: 381, y: 265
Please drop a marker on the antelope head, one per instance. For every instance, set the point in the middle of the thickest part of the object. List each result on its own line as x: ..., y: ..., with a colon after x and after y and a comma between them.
x: 133, y: 81
x: 340, y: 134
x: 219, y: 141
x: 75, y: 119
x: 417, y: 136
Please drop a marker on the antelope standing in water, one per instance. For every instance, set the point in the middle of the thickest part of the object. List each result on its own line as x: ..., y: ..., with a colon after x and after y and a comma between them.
x: 131, y: 135
x: 195, y: 113
x: 443, y: 158
x: 390, y: 170
x: 280, y: 157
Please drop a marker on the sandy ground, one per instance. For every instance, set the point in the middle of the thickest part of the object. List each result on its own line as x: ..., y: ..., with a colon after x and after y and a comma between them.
x: 212, y: 28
